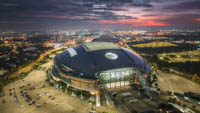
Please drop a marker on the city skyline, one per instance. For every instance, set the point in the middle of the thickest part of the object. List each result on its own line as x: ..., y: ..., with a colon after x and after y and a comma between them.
x: 29, y: 15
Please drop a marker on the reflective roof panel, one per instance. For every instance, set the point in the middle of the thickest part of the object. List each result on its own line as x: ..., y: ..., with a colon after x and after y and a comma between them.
x: 95, y: 46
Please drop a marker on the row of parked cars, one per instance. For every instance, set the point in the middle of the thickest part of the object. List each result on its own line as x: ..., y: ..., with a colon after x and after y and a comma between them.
x: 187, y: 96
x: 28, y: 98
x: 49, y: 96
x: 13, y: 93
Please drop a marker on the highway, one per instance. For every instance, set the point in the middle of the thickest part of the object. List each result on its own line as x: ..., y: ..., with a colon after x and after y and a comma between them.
x: 29, y: 66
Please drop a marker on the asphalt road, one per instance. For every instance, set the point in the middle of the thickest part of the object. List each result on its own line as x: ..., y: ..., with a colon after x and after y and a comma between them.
x: 29, y: 66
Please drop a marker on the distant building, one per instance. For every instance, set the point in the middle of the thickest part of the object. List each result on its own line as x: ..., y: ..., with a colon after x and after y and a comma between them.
x: 131, y: 102
x: 89, y: 39
x: 58, y: 37
x: 71, y: 42
x: 53, y: 45
x: 29, y: 49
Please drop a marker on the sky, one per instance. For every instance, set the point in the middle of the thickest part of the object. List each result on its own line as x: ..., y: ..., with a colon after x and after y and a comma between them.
x: 29, y: 15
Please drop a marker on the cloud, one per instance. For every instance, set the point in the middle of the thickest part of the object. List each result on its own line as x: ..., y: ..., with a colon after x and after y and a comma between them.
x: 182, y: 20
x: 135, y: 22
x: 154, y: 15
x: 183, y: 6
x: 74, y: 13
x: 144, y: 3
x: 8, y: 4
x: 59, y: 9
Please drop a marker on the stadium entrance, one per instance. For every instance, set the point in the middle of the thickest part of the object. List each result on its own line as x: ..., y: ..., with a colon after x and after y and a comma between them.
x: 118, y: 78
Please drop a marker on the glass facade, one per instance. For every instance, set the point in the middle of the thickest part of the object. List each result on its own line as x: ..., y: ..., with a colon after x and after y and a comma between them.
x: 116, y: 77
x: 121, y: 77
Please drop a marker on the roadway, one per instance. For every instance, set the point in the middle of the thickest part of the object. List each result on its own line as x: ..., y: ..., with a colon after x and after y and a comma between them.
x: 29, y: 66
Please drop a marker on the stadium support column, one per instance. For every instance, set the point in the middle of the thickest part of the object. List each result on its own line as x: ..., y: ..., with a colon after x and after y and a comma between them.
x: 98, y: 98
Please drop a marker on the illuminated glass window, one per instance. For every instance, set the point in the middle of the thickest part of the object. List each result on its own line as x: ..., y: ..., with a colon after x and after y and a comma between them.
x: 116, y: 75
x: 112, y: 75
x: 127, y: 72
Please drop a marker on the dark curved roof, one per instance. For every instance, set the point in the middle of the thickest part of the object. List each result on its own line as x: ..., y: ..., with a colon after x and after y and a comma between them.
x: 105, y: 38
x: 90, y: 58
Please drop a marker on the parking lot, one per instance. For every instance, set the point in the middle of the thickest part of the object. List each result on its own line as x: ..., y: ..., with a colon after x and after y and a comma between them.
x: 174, y: 83
x: 33, y: 95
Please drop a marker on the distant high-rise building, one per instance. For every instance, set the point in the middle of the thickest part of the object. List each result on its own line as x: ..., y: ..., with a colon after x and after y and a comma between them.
x: 58, y: 37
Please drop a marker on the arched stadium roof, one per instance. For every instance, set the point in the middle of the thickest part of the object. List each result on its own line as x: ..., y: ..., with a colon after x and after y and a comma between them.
x: 93, y: 57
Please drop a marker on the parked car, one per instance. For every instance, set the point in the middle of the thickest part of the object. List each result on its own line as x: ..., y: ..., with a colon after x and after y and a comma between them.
x: 3, y: 101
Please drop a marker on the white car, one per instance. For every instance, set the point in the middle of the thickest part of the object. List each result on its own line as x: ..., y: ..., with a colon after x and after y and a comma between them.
x: 187, y: 99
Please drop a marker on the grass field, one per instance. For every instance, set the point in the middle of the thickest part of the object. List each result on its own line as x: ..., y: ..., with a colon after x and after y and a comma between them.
x: 180, y: 56
x: 155, y: 44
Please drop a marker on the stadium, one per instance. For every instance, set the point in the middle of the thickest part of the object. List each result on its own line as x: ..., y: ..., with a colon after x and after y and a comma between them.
x: 98, y: 66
